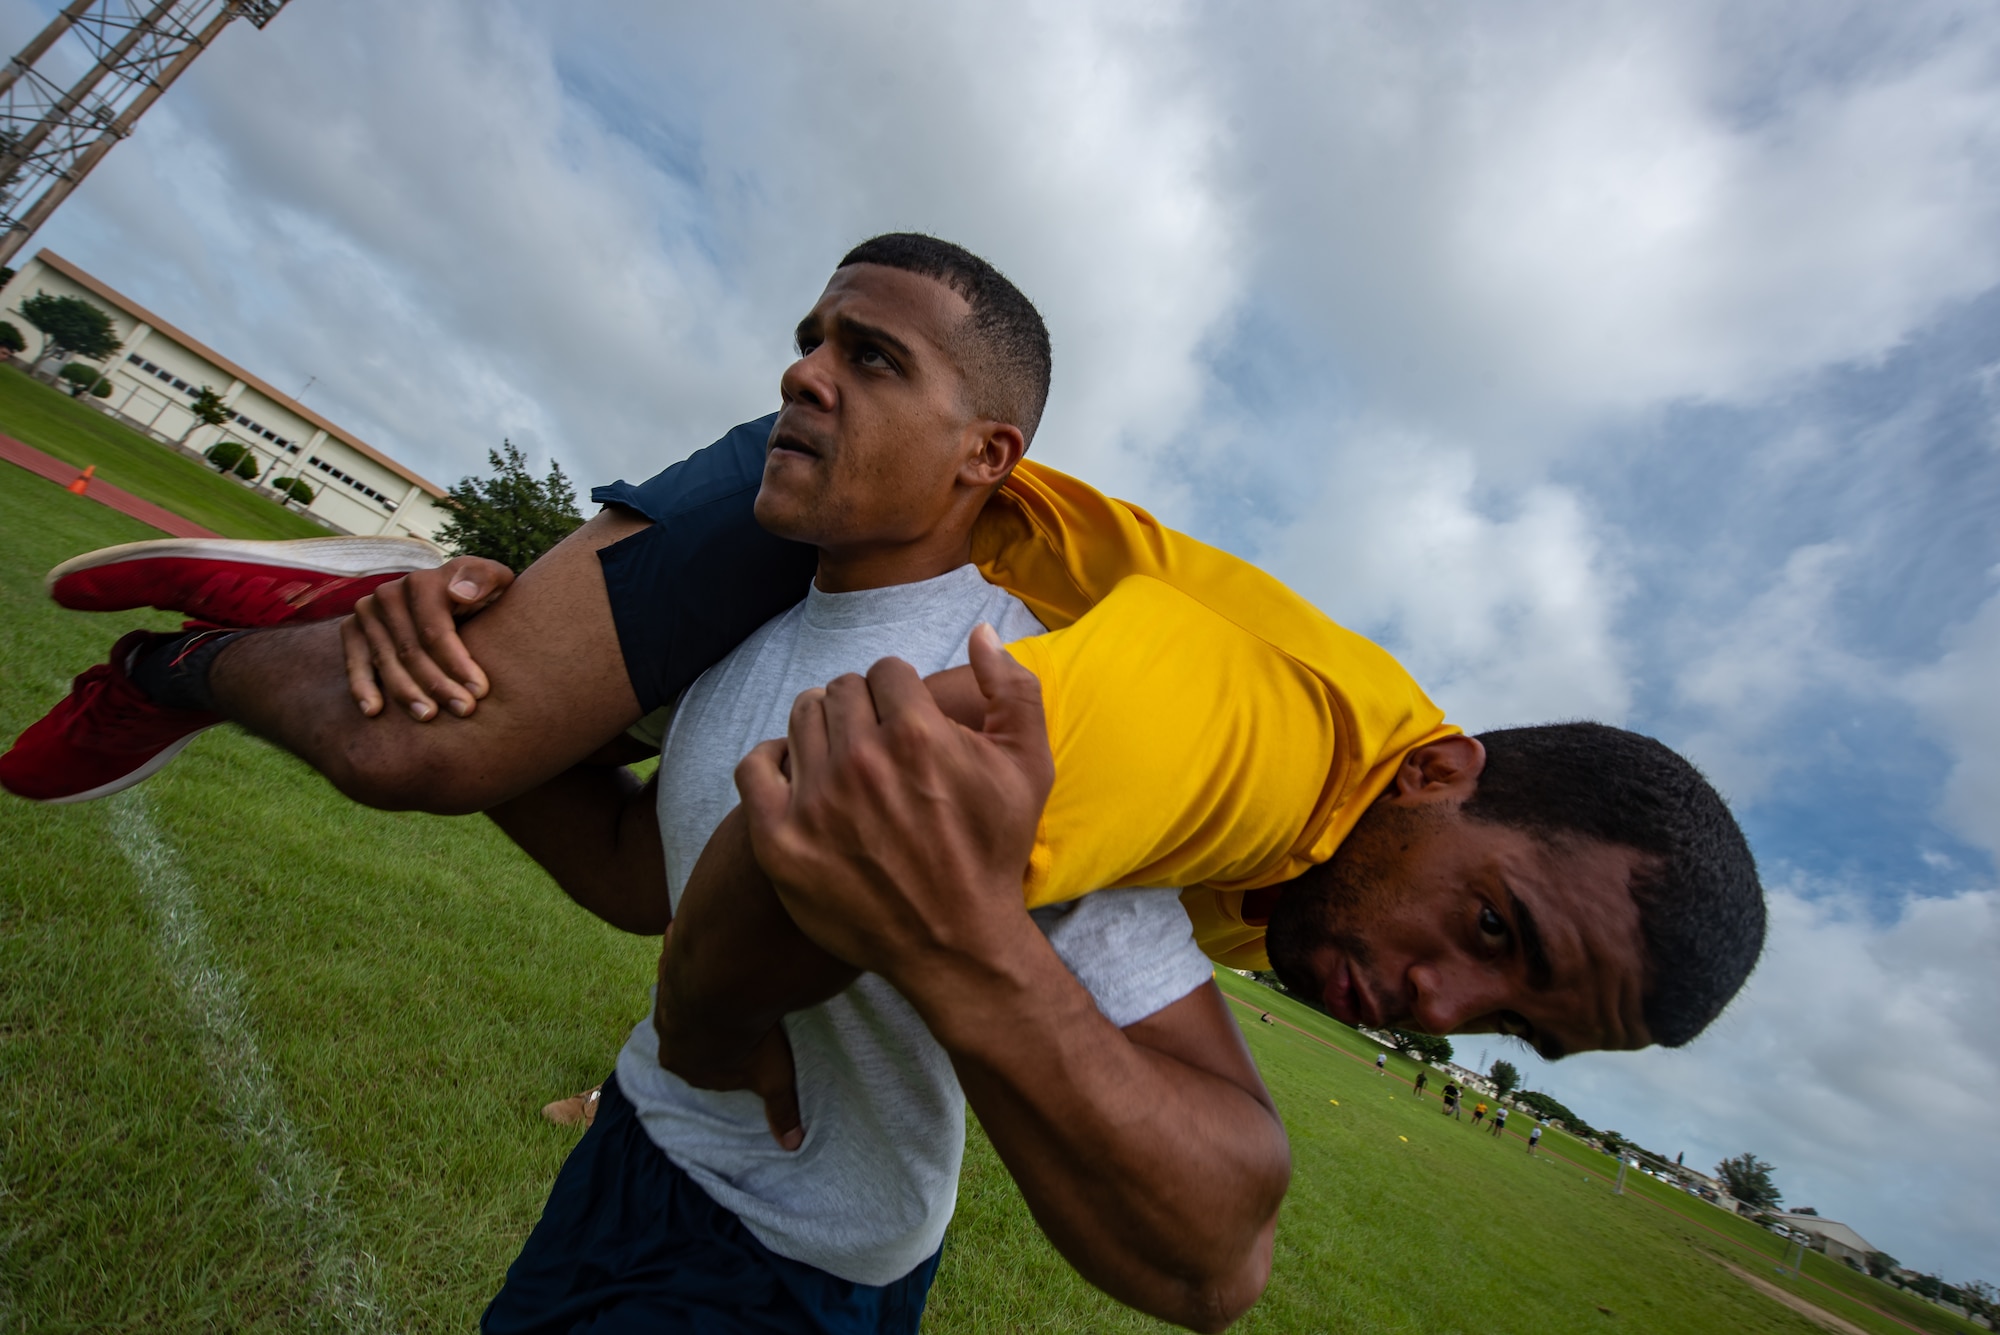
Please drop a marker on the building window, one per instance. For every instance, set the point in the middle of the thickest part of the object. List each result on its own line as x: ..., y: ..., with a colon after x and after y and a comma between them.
x: 133, y: 358
x: 182, y: 385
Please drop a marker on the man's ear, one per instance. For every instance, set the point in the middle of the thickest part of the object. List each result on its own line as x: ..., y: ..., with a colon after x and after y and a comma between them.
x: 994, y: 449
x: 1445, y: 770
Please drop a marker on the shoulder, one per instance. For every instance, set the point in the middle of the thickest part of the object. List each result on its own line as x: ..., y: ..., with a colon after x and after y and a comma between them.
x: 1132, y: 949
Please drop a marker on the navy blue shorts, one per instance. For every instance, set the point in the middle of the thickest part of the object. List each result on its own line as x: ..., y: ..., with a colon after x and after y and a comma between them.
x: 629, y: 1243
x: 687, y: 590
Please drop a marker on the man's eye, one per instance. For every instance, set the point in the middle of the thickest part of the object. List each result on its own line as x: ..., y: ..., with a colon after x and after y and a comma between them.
x: 1492, y: 925
x: 871, y: 357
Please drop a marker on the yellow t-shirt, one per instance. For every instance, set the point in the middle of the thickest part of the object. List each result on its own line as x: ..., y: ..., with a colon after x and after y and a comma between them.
x: 1211, y: 729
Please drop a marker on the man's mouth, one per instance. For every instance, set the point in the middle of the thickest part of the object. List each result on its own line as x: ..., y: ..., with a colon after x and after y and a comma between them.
x: 787, y: 444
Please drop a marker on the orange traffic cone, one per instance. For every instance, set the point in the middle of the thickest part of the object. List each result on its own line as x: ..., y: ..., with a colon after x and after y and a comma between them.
x: 82, y: 483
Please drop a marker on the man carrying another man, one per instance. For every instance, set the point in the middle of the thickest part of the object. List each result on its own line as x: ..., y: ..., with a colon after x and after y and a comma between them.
x: 899, y: 841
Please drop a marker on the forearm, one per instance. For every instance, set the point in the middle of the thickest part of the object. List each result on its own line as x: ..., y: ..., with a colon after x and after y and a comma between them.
x: 736, y: 963
x: 592, y: 828
x: 1160, y: 1181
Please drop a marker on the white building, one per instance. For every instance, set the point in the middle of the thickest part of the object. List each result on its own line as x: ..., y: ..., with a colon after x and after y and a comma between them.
x: 1831, y: 1236
x: 158, y: 371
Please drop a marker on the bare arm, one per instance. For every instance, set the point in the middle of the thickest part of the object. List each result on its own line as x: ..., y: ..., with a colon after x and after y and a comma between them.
x: 1152, y: 1156
x: 594, y: 830
x: 559, y: 691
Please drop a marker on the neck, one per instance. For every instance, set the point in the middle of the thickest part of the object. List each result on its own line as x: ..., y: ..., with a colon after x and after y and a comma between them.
x: 851, y: 570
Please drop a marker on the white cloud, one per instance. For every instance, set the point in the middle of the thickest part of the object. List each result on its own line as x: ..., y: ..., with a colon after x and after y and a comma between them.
x: 1742, y: 676
x: 1861, y: 1060
x: 1510, y: 220
x: 462, y: 243
x: 1505, y: 619
x: 1959, y: 696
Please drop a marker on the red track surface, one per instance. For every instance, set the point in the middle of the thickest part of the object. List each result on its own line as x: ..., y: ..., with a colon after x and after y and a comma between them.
x: 124, y: 502
x: 1546, y: 1149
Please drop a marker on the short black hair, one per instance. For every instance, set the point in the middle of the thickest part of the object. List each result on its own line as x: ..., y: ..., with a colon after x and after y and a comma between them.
x: 1701, y: 906
x: 1005, y: 346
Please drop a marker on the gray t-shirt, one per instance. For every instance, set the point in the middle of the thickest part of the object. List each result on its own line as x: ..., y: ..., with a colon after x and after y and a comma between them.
x: 869, y: 1192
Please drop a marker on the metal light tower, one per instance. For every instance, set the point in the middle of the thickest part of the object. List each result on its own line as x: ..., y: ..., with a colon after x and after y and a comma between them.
x: 52, y: 133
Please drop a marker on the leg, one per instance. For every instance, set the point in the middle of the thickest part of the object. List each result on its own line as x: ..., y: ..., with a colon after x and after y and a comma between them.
x: 628, y: 1243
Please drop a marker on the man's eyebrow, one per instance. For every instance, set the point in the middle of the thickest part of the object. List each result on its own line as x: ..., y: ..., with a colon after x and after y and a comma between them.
x: 860, y: 331
x: 1540, y: 975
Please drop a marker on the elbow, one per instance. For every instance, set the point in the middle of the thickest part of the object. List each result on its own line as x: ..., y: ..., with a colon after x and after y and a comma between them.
x: 1223, y: 1297
x: 1239, y: 1269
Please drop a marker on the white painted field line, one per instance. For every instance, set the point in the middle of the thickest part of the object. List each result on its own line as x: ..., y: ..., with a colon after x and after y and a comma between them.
x: 299, y: 1185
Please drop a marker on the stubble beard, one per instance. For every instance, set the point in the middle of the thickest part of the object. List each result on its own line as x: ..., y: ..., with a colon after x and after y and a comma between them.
x: 1333, y: 904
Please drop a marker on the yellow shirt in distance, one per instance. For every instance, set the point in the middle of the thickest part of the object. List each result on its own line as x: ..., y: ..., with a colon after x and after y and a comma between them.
x: 1211, y: 729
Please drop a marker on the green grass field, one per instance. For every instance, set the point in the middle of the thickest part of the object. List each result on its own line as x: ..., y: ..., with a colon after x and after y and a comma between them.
x: 273, y: 1062
x: 54, y: 423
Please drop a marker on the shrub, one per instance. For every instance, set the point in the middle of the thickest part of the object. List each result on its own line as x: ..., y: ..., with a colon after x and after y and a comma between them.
x: 85, y: 378
x: 11, y: 337
x: 247, y: 467
x: 296, y: 488
x: 225, y: 455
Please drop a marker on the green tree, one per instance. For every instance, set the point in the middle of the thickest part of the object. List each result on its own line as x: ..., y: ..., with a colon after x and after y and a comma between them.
x: 295, y: 487
x: 1548, y: 1106
x: 1749, y: 1181
x: 71, y: 325
x: 509, y: 517
x: 11, y: 337
x: 1506, y: 1078
x: 1431, y: 1048
x: 208, y: 409
x: 1881, y: 1263
x: 84, y: 379
x: 225, y: 455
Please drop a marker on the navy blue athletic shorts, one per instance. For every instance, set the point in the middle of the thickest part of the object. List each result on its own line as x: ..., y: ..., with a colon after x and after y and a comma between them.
x: 694, y: 585
x: 628, y: 1243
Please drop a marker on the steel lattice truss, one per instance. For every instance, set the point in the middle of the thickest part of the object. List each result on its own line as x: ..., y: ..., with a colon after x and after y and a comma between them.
x: 54, y: 130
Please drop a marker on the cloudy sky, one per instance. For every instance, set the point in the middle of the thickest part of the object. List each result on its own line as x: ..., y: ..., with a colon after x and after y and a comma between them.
x: 1635, y: 362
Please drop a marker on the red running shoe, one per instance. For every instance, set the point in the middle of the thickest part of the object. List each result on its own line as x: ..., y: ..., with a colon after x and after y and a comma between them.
x: 103, y: 737
x: 234, y: 582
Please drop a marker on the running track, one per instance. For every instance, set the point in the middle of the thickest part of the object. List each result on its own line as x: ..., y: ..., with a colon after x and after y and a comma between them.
x: 1685, y: 1218
x: 124, y: 502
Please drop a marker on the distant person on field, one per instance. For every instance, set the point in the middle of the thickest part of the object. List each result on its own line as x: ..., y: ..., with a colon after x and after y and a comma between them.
x: 1381, y: 1063
x: 1423, y: 1079
x: 1478, y: 1113
x: 1450, y: 1099
x: 1535, y: 1136
x: 1499, y: 1121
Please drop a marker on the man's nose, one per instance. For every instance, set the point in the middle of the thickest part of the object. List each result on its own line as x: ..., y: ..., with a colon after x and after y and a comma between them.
x: 1451, y: 996
x: 806, y: 381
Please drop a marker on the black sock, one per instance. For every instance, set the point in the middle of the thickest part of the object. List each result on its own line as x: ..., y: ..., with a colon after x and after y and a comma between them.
x: 174, y: 672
